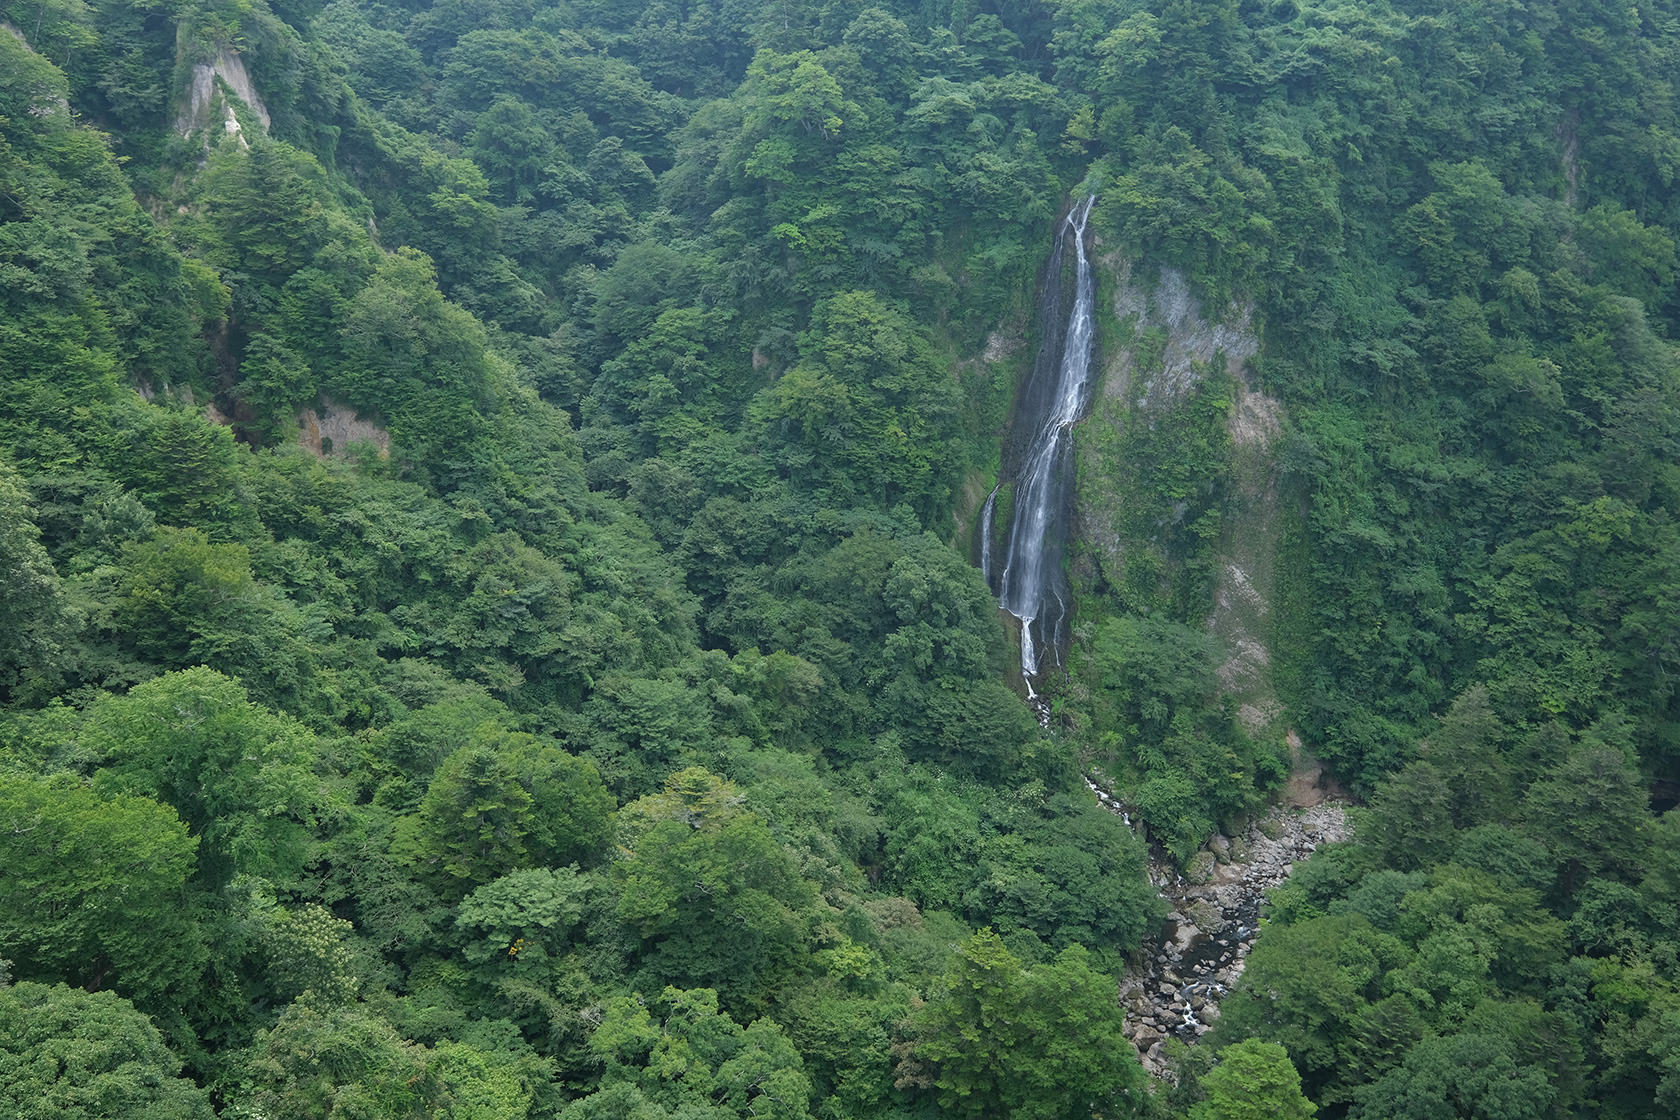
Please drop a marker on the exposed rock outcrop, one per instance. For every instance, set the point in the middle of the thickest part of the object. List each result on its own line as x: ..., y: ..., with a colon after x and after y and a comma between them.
x: 208, y: 96
x: 1192, y: 342
x: 331, y: 428
x: 1250, y: 535
x: 1173, y: 344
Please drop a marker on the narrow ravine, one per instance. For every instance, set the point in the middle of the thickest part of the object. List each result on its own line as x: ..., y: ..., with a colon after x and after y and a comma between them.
x: 1175, y: 988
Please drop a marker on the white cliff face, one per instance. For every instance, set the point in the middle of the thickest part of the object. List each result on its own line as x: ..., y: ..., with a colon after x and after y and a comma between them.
x: 1183, y: 343
x: 1244, y: 595
x: 1192, y: 340
x: 207, y: 96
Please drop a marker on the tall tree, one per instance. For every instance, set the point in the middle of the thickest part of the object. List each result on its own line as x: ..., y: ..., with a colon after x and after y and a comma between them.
x: 1015, y: 1043
x: 93, y: 889
x: 1254, y: 1080
x: 67, y: 1054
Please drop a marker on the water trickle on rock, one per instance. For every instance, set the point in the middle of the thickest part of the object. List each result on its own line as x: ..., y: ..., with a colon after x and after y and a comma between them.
x: 1034, y: 587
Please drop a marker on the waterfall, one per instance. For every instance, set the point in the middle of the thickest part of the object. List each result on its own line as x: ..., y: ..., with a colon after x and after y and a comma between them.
x: 1034, y: 587
x: 987, y: 511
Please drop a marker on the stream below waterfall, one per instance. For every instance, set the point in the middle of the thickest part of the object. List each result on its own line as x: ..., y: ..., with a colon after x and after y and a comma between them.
x: 1174, y: 989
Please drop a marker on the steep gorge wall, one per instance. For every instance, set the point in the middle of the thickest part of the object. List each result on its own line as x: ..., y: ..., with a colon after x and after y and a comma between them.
x: 1159, y: 348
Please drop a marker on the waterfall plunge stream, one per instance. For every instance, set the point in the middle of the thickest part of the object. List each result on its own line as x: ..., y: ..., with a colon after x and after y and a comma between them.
x: 1033, y: 585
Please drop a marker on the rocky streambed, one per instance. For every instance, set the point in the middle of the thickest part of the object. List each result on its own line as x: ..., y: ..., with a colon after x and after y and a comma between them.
x: 1175, y: 991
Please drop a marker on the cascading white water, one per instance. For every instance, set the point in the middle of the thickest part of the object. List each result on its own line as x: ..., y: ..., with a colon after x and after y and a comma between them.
x: 1031, y: 572
x: 987, y: 512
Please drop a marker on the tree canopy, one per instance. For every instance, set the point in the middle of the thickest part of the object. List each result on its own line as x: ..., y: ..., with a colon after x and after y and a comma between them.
x: 490, y: 534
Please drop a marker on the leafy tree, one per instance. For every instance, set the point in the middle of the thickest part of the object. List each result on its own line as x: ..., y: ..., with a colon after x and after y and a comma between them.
x: 1410, y: 819
x: 414, y: 358
x: 712, y: 895
x: 320, y: 1061
x: 87, y: 1056
x: 34, y: 616
x: 1466, y: 752
x: 307, y: 957
x: 797, y: 89
x: 867, y: 414
x: 523, y: 915
x: 1315, y: 988
x: 93, y: 890
x: 1253, y: 1080
x: 571, y: 810
x: 268, y: 203
x: 242, y: 778
x: 1002, y: 1040
x: 1475, y: 1076
x: 1156, y: 668
x: 472, y: 824
x: 183, y: 600
x: 692, y: 1057
x: 1591, y: 812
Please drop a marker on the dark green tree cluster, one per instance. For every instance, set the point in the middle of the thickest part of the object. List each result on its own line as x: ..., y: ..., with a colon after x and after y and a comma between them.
x: 1497, y: 940
x: 605, y: 725
x: 609, y: 728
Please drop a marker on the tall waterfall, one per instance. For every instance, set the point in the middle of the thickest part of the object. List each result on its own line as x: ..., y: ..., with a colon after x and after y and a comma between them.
x: 987, y: 512
x: 1034, y: 586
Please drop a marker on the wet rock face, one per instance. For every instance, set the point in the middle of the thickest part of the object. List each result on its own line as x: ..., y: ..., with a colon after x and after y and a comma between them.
x: 1204, y: 945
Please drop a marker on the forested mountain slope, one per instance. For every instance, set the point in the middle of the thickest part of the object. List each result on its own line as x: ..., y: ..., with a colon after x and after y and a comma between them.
x: 596, y: 713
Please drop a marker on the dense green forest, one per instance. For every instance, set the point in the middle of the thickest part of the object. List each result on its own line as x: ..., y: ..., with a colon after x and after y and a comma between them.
x: 610, y: 721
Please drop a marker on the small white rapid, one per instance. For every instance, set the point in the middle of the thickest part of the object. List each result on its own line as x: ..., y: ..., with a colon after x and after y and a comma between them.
x: 1033, y: 588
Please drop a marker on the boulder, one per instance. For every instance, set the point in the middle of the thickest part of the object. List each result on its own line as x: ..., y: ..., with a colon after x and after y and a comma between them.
x: 1200, y: 868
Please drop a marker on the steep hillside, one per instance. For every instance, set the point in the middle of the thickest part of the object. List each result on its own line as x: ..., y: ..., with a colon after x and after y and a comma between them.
x: 486, y: 504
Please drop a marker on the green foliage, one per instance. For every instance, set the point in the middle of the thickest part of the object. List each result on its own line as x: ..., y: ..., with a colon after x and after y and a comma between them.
x: 413, y: 357
x: 307, y: 956
x: 317, y: 1061
x: 471, y: 826
x: 671, y: 316
x: 867, y: 413
x: 1194, y: 766
x: 240, y: 776
x: 1253, y: 1080
x: 522, y: 915
x: 1397, y: 991
x: 692, y: 1058
x: 712, y: 895
x: 34, y: 615
x: 92, y: 890
x: 1474, y: 1075
x: 87, y: 1056
x: 182, y: 600
x: 1003, y: 1040
x: 1590, y: 811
